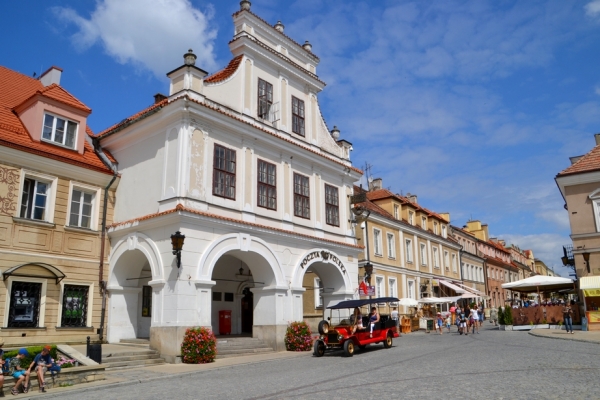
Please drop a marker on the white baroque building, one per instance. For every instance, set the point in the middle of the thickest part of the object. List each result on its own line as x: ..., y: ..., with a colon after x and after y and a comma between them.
x: 242, y: 163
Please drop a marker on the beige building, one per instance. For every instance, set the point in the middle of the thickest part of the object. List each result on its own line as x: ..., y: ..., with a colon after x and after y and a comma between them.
x: 52, y: 203
x: 472, y: 265
x: 409, y: 247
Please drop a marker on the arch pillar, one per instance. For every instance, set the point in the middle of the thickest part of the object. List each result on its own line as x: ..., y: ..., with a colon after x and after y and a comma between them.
x: 123, y: 309
x: 270, y: 324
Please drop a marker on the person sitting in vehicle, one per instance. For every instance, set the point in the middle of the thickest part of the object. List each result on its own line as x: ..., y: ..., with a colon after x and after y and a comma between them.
x: 373, y: 319
x: 357, y: 320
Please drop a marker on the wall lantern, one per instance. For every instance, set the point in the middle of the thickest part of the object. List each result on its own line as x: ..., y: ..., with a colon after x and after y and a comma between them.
x: 586, y: 258
x: 565, y: 260
x: 177, y: 242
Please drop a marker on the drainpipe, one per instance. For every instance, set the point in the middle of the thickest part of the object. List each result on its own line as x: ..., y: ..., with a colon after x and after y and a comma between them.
x: 101, y: 280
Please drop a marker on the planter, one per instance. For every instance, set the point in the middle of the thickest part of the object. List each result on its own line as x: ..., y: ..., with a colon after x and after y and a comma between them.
x: 506, y: 327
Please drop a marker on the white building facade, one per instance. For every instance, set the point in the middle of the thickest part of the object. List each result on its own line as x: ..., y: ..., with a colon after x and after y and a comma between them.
x: 242, y: 163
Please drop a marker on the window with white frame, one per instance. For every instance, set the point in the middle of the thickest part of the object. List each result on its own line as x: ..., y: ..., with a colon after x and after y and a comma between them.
x: 410, y: 287
x: 74, y: 312
x: 454, y: 263
x: 82, y: 208
x: 318, y: 298
x: 59, y: 130
x: 409, y: 252
x: 424, y: 223
x: 25, y: 302
x: 377, y: 241
x: 435, y: 228
x: 436, y: 257
x: 396, y: 211
x: 379, y: 289
x: 391, y: 246
x: 446, y: 260
x: 411, y: 217
x: 392, y: 287
x: 332, y: 208
x: 444, y: 231
x: 423, y: 254
x: 595, y: 198
x: 37, y: 198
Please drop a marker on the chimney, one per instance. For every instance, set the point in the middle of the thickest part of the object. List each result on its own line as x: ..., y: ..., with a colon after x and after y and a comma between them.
x: 446, y: 216
x: 376, y: 184
x: 158, y: 97
x: 279, y: 26
x: 484, y: 227
x: 577, y: 158
x: 597, y: 137
x: 52, y: 75
x: 411, y: 197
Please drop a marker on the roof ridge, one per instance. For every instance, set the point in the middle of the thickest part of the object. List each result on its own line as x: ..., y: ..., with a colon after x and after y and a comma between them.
x: 573, y: 168
x: 227, y: 71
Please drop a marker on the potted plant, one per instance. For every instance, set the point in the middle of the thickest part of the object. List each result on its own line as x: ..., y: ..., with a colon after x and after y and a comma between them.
x: 508, y: 319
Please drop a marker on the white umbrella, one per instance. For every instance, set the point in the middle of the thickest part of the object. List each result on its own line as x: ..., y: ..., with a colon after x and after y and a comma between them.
x: 406, y: 301
x: 537, y: 282
x: 434, y: 300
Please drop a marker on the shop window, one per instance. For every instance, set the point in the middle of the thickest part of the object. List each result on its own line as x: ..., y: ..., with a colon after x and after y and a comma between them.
x: 332, y: 208
x: 59, y: 131
x: 146, y: 301
x: 267, y: 185
x: 301, y: 196
x: 265, y: 98
x: 224, y: 172
x: 24, y: 310
x: 74, y: 306
x: 297, y: 116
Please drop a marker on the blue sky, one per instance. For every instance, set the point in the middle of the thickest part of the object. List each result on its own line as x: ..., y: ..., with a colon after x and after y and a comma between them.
x: 474, y: 106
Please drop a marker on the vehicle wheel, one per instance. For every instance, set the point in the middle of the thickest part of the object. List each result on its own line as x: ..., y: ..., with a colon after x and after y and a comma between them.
x: 323, y: 327
x: 318, y: 348
x: 388, y: 341
x: 348, y: 348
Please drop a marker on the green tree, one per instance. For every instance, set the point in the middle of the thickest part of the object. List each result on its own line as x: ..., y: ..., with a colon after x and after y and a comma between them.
x: 508, y: 318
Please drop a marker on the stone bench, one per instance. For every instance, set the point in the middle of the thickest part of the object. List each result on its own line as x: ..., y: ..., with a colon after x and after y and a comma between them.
x: 66, y: 377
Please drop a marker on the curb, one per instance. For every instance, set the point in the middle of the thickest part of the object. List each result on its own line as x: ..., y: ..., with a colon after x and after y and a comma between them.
x: 573, y: 339
x: 151, y: 379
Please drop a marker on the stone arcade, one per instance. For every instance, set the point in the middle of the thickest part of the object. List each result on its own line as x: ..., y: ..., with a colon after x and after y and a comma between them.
x: 242, y: 163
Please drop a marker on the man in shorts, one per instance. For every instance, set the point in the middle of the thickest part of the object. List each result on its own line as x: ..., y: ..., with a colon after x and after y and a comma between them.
x: 20, y: 374
x: 40, y: 365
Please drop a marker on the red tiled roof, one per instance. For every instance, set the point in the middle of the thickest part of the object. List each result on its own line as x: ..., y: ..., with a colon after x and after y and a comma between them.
x: 385, y: 193
x: 15, y: 88
x: 180, y: 207
x: 587, y: 163
x: 130, y: 120
x: 225, y: 72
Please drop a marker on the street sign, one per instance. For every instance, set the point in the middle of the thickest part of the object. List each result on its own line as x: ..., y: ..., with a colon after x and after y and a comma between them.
x: 370, y: 291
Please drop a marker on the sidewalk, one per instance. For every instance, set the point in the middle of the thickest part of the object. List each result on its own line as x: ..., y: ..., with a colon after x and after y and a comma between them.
x: 578, y: 336
x: 134, y: 376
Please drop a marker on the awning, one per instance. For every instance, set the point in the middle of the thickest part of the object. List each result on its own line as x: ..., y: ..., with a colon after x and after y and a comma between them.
x: 474, y: 291
x: 590, y: 285
x: 452, y: 286
x: 21, y: 270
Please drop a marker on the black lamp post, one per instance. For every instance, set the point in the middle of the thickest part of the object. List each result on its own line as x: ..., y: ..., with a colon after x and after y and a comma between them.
x: 586, y: 258
x: 177, y: 242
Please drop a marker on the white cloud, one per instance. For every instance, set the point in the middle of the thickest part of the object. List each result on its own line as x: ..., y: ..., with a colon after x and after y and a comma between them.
x: 546, y: 247
x: 152, y: 38
x: 592, y: 8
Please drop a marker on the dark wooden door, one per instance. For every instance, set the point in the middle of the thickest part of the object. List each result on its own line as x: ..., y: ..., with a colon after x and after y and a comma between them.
x: 247, y: 311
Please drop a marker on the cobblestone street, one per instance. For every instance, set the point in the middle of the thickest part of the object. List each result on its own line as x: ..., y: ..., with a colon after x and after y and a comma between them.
x: 490, y: 365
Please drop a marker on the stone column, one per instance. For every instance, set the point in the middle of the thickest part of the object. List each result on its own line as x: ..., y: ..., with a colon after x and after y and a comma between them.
x: 123, y: 313
x: 269, y: 321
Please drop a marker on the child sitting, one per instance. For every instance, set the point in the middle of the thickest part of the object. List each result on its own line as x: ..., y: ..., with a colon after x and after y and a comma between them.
x: 20, y: 374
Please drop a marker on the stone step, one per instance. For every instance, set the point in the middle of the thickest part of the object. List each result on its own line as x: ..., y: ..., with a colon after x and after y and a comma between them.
x: 133, y: 364
x: 243, y: 351
x: 131, y: 357
x: 130, y: 353
x: 240, y: 346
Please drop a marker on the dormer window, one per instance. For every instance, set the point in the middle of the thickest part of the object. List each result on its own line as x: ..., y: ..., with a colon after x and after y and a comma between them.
x: 265, y: 98
x: 59, y: 130
x: 424, y: 223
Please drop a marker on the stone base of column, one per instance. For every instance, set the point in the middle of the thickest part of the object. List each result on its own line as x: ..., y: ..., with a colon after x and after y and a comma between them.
x: 167, y: 341
x: 272, y: 335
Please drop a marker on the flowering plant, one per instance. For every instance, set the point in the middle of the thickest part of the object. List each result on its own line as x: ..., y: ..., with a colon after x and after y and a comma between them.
x: 298, y: 337
x: 64, y: 362
x: 199, y: 346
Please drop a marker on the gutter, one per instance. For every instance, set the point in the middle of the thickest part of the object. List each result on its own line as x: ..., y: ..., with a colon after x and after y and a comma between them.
x: 101, y: 281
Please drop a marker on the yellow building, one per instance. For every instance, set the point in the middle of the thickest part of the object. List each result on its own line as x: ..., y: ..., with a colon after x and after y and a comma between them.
x: 52, y: 203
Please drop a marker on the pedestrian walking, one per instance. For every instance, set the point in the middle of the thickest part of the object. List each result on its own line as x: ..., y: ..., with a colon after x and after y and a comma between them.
x: 568, y: 317
x: 494, y: 316
x: 475, y: 319
x: 440, y: 322
x: 481, y: 315
x: 453, y: 312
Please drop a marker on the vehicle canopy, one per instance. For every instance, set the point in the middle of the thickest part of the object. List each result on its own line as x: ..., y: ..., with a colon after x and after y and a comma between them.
x: 362, y: 302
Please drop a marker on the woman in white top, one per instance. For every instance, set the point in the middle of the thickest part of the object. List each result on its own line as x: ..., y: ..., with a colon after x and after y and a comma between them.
x: 475, y: 317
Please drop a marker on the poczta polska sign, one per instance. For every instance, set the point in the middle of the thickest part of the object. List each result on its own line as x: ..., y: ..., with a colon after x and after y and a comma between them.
x: 325, y: 256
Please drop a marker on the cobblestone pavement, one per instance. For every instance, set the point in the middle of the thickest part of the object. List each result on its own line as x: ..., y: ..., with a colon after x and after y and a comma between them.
x: 491, y: 365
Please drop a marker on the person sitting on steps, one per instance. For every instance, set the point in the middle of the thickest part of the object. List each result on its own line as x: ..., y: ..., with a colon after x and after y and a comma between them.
x: 40, y: 365
x: 20, y: 374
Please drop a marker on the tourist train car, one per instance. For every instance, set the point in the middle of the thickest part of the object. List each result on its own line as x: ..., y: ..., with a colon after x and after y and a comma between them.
x: 344, y: 335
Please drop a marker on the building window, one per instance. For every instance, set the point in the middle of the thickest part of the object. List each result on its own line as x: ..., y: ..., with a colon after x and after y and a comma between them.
x: 411, y: 289
x: 409, y: 255
x: 396, y: 211
x: 454, y: 264
x: 146, y: 301
x: 332, y: 208
x: 74, y: 306
x: 34, y: 200
x: 424, y: 223
x: 446, y: 260
x: 423, y: 254
x: 59, y: 130
x: 318, y: 294
x: 301, y: 196
x: 24, y: 310
x: 411, y: 217
x: 265, y: 98
x: 297, y: 116
x: 224, y: 172
x: 436, y: 258
x: 435, y: 228
x: 444, y: 231
x: 392, y: 289
x: 81, y: 209
x: 377, y: 242
x: 391, y: 246
x: 379, y: 289
x: 267, y: 185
